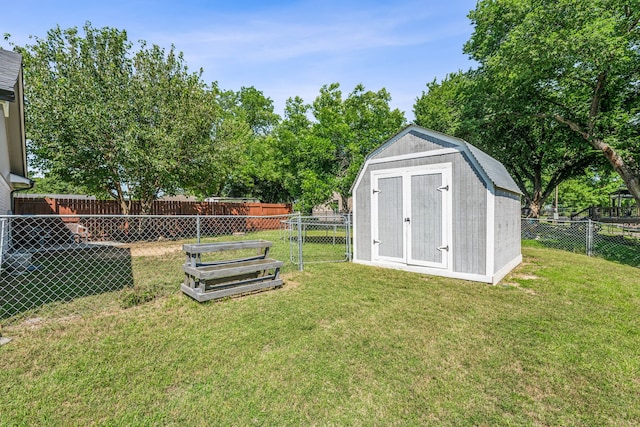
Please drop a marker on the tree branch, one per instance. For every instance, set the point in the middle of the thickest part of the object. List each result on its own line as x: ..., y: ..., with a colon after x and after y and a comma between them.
x: 595, y: 101
x: 572, y: 125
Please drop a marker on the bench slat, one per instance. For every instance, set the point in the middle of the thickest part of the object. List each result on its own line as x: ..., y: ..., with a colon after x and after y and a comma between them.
x: 195, y: 294
x: 229, y: 261
x: 208, y: 272
x: 199, y: 248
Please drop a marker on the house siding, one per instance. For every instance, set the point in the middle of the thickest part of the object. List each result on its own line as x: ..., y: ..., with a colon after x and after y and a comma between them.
x: 5, y: 207
x: 5, y: 166
x: 5, y: 197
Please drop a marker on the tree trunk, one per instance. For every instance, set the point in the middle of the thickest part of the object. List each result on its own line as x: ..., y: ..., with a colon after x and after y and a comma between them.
x: 344, y: 203
x: 537, y: 196
x: 631, y: 180
x: 125, y: 205
x: 145, y: 206
x: 536, y: 204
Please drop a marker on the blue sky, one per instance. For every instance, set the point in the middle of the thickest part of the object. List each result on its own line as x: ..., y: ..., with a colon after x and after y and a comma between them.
x: 283, y: 48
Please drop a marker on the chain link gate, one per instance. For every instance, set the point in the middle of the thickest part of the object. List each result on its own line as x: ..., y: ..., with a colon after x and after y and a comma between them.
x: 72, y: 265
x: 318, y: 239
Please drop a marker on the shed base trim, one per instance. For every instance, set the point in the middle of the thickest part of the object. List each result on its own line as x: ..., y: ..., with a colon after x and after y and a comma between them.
x: 497, y: 277
x: 506, y: 269
x: 427, y: 270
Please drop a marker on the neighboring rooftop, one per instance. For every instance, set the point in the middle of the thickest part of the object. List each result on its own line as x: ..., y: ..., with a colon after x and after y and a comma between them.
x: 10, y: 63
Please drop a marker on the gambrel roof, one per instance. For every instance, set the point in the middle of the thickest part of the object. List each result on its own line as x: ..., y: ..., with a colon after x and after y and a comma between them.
x: 487, y: 165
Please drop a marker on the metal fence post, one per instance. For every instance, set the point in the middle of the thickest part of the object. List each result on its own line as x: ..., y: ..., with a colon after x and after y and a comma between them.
x: 348, y: 220
x: 589, y: 237
x: 198, y: 228
x: 300, y: 263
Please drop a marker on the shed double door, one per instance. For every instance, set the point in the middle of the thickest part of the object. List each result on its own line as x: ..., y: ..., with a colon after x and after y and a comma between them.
x: 411, y: 215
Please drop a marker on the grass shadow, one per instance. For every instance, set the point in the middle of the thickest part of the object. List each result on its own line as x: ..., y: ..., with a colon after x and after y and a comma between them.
x: 63, y: 275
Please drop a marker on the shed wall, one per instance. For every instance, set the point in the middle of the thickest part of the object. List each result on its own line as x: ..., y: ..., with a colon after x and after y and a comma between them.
x: 506, y: 228
x: 468, y: 199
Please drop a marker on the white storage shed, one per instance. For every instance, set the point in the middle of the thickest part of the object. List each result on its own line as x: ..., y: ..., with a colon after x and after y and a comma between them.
x: 430, y: 203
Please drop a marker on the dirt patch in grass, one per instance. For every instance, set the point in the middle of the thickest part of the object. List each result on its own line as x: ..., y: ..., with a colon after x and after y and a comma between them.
x: 154, y: 250
x: 289, y: 283
x: 517, y: 285
x: 525, y: 276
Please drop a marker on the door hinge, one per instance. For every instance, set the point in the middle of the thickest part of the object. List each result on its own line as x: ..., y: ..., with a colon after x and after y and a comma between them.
x: 376, y: 191
x: 407, y: 219
x: 443, y: 248
x: 443, y: 188
x: 375, y: 242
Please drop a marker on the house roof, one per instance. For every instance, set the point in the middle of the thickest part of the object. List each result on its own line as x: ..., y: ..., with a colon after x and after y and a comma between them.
x: 492, y: 168
x: 10, y: 65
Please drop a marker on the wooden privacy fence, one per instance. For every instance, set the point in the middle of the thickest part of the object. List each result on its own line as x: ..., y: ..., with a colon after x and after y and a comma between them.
x: 84, y: 215
x: 59, y: 206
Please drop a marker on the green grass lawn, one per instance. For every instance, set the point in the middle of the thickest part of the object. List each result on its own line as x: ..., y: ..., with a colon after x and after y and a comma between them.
x: 556, y: 343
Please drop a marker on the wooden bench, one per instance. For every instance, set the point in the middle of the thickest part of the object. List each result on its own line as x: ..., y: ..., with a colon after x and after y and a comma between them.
x: 217, y: 279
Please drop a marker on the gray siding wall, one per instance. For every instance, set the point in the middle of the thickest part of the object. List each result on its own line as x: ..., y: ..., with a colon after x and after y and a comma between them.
x: 469, y: 209
x: 413, y: 142
x: 506, y: 228
x: 469, y: 219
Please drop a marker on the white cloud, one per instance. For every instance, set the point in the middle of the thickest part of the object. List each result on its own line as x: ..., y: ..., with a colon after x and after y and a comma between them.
x: 293, y: 34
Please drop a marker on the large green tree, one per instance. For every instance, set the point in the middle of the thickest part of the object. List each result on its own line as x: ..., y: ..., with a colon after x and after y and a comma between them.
x: 539, y: 153
x: 132, y: 125
x: 256, y: 173
x: 576, y: 62
x: 325, y: 142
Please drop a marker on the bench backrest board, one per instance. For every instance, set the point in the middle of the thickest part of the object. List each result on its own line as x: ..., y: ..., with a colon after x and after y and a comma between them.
x: 198, y: 248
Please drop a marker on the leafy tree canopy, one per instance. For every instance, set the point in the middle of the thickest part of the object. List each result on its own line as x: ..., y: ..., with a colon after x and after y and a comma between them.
x: 324, y: 143
x: 538, y: 152
x: 129, y: 124
x: 576, y: 62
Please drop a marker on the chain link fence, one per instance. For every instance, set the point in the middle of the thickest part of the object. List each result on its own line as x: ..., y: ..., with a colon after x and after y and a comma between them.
x: 72, y: 265
x: 69, y: 265
x: 615, y: 242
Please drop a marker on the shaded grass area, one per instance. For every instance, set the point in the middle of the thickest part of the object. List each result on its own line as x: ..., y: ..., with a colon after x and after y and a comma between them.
x: 343, y: 344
